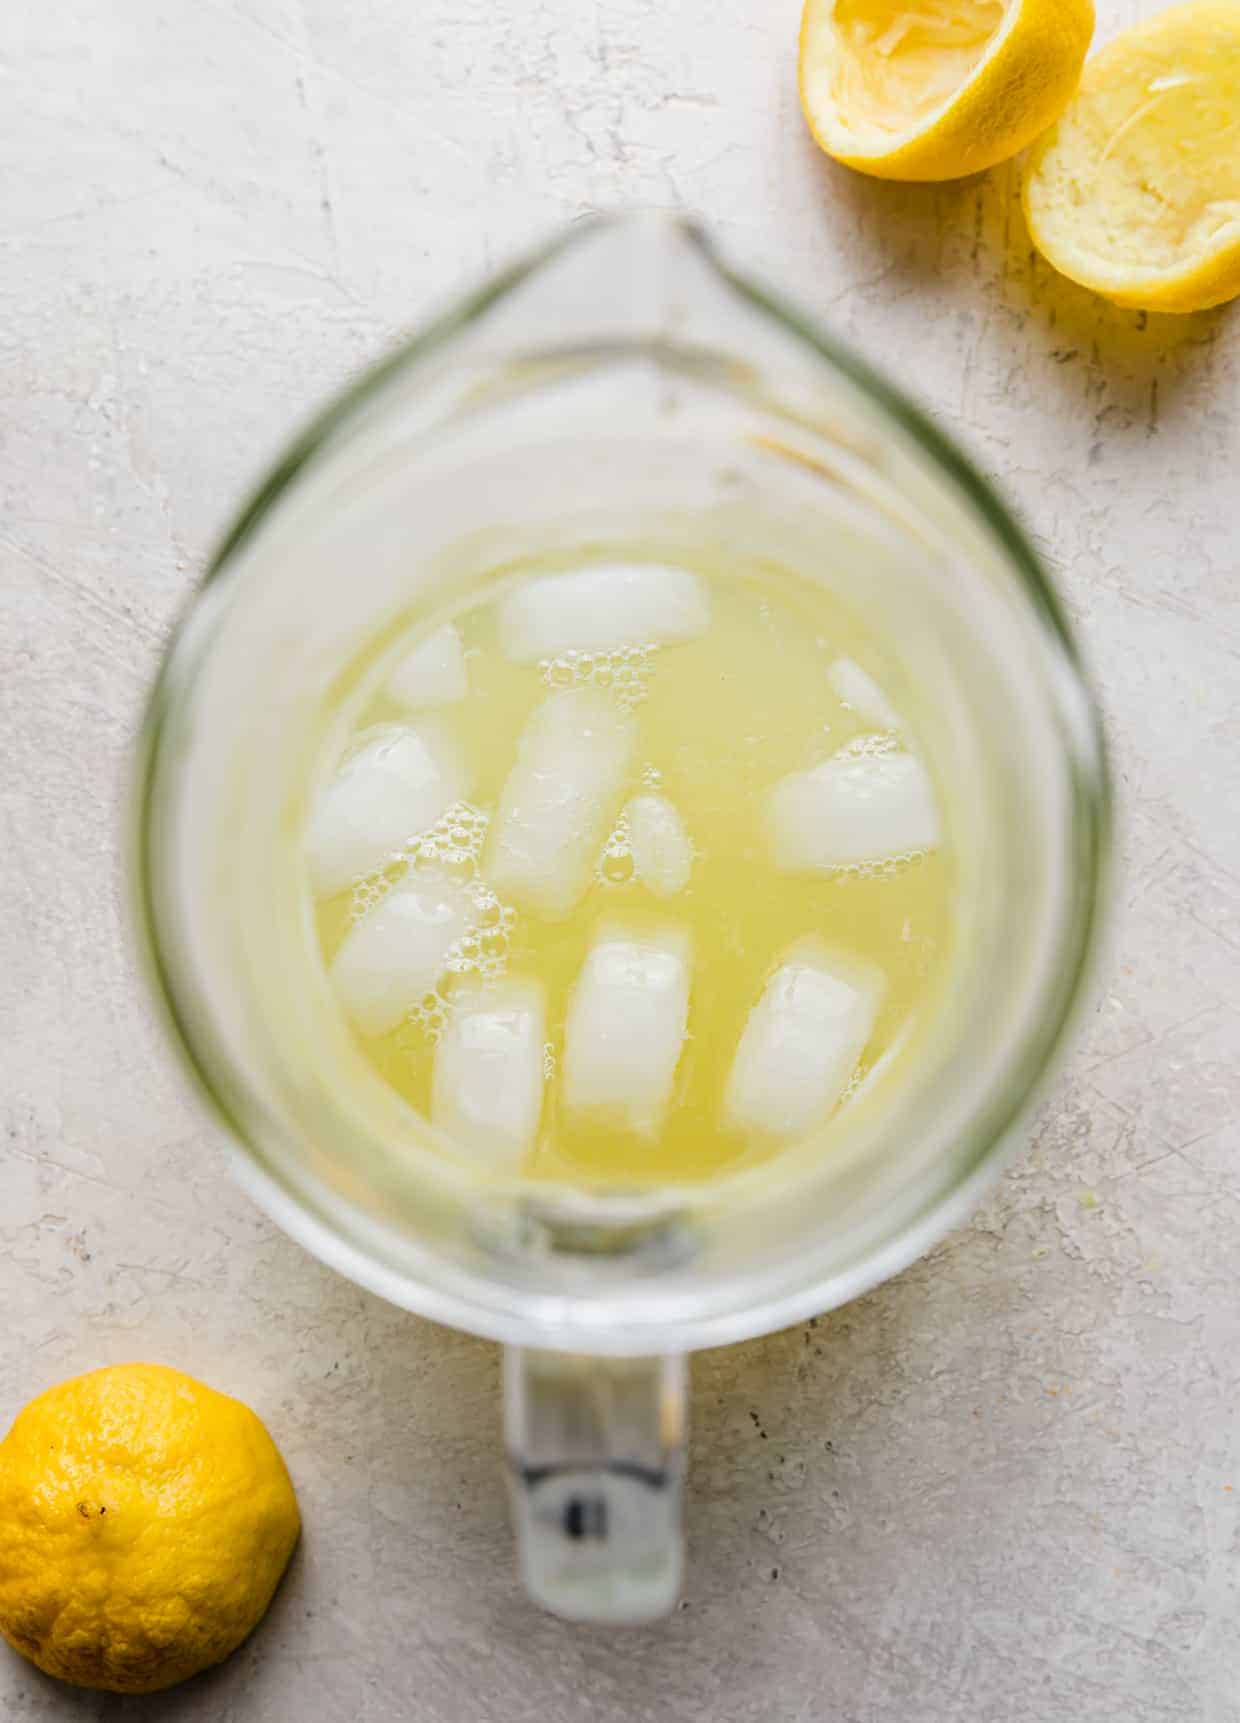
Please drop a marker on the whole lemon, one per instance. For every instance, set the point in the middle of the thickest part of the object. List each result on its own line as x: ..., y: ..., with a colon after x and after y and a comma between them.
x: 145, y: 1521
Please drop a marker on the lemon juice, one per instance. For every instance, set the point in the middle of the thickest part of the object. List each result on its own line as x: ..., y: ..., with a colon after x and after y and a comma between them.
x: 628, y: 872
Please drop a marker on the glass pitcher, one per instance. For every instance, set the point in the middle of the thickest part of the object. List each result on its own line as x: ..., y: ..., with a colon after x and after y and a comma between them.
x: 625, y: 375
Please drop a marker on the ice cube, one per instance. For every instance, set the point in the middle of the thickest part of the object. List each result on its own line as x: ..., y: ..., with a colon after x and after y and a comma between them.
x: 854, y: 807
x: 626, y: 1027
x: 393, y: 787
x: 433, y: 674
x: 802, y: 1041
x: 559, y: 801
x: 488, y: 1082
x: 858, y: 689
x: 602, y: 610
x: 662, y: 853
x: 395, y: 954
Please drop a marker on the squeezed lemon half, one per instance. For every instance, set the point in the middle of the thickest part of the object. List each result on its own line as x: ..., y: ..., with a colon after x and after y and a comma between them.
x: 1135, y: 193
x: 940, y: 88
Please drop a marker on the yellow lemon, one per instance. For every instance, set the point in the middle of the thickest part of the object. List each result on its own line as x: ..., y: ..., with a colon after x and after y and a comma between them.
x: 1136, y: 192
x: 937, y: 88
x: 144, y: 1523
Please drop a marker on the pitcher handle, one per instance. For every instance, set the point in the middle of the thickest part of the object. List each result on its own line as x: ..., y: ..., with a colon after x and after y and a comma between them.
x: 596, y: 1450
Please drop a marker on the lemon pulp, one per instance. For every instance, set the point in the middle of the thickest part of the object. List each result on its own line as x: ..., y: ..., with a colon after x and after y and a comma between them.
x: 939, y: 89
x: 899, y: 63
x: 1136, y: 191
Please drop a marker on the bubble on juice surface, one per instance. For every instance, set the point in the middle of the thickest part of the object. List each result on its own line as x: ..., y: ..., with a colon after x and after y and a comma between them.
x: 449, y: 851
x: 626, y: 672
x: 615, y: 865
x: 650, y: 777
x: 453, y: 843
x: 873, y: 745
x: 548, y: 1060
x: 886, y: 868
x: 424, y: 1022
x: 366, y: 893
x: 484, y: 950
x: 854, y: 1083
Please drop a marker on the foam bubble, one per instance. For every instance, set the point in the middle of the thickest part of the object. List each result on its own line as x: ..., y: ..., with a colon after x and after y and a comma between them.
x: 625, y: 671
x: 402, y: 944
x: 616, y: 867
x: 874, y: 745
x: 615, y: 864
x: 449, y: 852
x: 886, y: 868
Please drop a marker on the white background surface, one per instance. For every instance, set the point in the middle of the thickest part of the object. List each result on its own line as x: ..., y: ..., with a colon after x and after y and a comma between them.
x: 1003, y: 1489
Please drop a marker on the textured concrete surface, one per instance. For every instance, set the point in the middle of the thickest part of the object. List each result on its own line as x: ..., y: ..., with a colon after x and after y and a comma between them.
x: 1003, y: 1489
